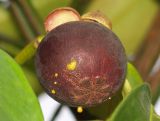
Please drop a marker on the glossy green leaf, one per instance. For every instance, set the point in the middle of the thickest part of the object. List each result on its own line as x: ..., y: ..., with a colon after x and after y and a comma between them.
x: 135, y: 107
x: 132, y: 80
x: 17, y: 100
x: 33, y: 80
x: 133, y: 76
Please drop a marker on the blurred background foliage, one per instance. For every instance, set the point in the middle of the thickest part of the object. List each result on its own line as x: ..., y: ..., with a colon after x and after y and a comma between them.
x: 136, y: 23
x: 131, y: 19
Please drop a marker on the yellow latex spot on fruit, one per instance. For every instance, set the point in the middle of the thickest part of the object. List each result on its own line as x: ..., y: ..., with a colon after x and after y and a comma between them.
x: 79, y: 109
x: 53, y: 91
x: 56, y: 75
x: 72, y: 65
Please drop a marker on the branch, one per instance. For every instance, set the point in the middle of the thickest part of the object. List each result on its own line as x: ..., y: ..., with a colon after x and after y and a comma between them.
x: 30, y: 17
x: 150, y: 49
x: 19, y: 19
x: 154, y: 81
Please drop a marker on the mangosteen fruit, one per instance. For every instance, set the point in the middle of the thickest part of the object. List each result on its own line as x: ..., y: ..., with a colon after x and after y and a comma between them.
x: 81, y: 63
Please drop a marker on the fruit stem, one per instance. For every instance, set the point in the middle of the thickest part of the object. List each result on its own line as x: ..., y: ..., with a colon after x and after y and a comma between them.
x: 28, y: 51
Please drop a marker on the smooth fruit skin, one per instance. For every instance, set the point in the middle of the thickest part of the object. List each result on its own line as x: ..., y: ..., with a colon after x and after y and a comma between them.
x: 81, y: 63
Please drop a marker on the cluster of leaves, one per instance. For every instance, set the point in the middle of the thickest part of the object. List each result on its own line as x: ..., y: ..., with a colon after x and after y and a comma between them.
x: 19, y: 103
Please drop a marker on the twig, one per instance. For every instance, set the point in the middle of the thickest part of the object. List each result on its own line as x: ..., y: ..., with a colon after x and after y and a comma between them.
x: 150, y: 49
x: 147, y: 56
x: 30, y: 17
x: 17, y: 15
x: 57, y: 112
x: 154, y: 81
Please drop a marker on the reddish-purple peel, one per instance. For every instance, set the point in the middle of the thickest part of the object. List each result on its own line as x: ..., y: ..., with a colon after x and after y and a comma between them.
x: 81, y: 63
